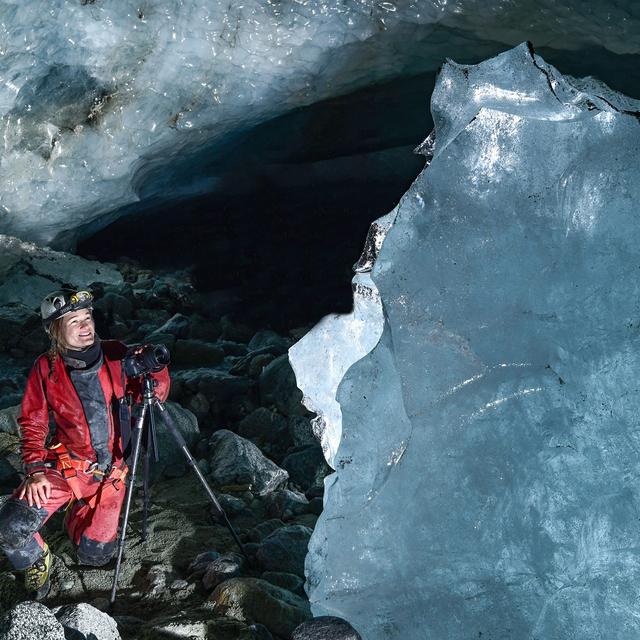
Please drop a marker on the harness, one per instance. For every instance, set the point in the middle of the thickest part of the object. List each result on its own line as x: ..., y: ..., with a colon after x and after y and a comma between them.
x: 69, y: 467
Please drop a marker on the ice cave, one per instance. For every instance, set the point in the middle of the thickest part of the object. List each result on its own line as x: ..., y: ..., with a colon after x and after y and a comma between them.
x: 392, y: 248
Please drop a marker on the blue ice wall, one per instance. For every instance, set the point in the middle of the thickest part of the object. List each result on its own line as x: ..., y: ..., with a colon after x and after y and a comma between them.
x: 487, y: 466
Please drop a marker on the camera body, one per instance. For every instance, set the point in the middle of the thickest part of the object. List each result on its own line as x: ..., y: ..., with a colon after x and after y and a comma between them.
x: 147, y: 358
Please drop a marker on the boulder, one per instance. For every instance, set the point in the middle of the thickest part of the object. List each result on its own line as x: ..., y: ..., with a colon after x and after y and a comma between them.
x: 301, y: 431
x: 196, y: 353
x: 172, y: 462
x: 253, y: 600
x: 286, y: 504
x: 30, y: 620
x: 325, y: 628
x: 263, y: 425
x: 288, y: 581
x: 199, y: 564
x: 228, y: 565
x: 278, y: 387
x: 83, y: 622
x: 237, y: 461
x: 267, y: 339
x: 307, y: 466
x: 177, y: 326
x: 285, y: 549
x: 262, y: 530
x: 9, y: 420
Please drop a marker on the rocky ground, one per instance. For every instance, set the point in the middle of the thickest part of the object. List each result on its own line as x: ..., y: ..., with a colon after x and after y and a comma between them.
x: 234, y: 399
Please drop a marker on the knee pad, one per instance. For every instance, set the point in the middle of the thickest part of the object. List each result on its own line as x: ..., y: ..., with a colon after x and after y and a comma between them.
x: 93, y: 553
x: 18, y: 523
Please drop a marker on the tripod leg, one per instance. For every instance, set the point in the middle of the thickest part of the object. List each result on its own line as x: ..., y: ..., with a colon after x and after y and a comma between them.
x: 145, y: 493
x: 137, y: 436
x: 168, y: 421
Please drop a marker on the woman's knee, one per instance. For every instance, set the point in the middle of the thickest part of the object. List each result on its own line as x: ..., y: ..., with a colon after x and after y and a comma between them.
x: 18, y: 522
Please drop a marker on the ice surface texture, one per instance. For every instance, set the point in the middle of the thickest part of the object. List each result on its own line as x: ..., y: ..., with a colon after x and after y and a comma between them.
x: 98, y: 99
x: 487, y: 473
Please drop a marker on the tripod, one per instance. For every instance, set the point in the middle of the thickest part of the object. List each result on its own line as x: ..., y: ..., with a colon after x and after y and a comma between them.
x: 149, y: 401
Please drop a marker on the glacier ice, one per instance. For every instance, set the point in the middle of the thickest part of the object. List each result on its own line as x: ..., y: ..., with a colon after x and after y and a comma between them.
x: 98, y: 100
x: 487, y: 447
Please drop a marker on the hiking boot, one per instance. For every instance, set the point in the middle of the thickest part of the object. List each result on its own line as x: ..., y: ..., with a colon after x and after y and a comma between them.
x: 36, y: 577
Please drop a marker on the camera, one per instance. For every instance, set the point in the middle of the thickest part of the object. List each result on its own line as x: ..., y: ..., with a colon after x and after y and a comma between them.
x: 146, y: 358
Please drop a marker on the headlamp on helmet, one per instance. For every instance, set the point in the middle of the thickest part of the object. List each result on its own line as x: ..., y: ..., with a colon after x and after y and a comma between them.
x: 59, y: 303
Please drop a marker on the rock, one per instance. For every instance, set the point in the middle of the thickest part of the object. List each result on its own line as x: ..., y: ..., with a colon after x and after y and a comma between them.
x: 236, y: 331
x: 30, y: 620
x: 178, y: 585
x: 217, y: 386
x: 301, y: 431
x: 263, y: 425
x: 325, y: 628
x: 9, y: 476
x: 231, y: 348
x: 278, y: 386
x: 266, y: 338
x: 9, y: 420
x: 113, y: 304
x: 177, y: 326
x: 288, y: 581
x: 200, y: 563
x: 10, y: 591
x: 232, y: 506
x: 258, y: 601
x: 307, y: 466
x: 84, y: 622
x: 204, y: 329
x: 172, y: 462
x: 316, y: 505
x: 236, y: 461
x: 258, y: 363
x: 262, y: 530
x: 196, y: 353
x: 285, y: 549
x: 198, y: 405
x: 286, y: 504
x: 228, y: 565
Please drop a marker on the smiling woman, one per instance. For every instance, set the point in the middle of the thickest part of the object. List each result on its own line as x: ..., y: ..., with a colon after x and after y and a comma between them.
x: 80, y: 381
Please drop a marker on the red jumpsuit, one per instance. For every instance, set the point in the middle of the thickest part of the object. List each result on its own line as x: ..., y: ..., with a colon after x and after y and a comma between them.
x: 93, y: 527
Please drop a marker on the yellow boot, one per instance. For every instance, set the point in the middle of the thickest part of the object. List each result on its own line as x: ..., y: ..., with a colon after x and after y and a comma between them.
x: 36, y: 577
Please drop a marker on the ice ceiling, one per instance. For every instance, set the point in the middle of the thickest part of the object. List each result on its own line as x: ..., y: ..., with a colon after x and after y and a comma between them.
x: 109, y: 108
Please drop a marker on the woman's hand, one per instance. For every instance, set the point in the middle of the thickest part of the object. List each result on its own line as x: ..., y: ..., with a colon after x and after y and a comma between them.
x: 37, y: 489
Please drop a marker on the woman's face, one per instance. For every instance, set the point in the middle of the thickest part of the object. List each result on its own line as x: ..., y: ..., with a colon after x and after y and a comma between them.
x: 78, y: 329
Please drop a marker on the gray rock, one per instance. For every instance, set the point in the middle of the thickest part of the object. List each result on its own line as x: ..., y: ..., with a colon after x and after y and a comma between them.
x: 266, y: 338
x: 262, y: 530
x: 196, y: 353
x: 258, y: 601
x: 203, y: 329
x: 286, y: 504
x: 228, y: 565
x: 307, y: 467
x: 84, y: 622
x: 177, y: 326
x: 263, y: 425
x: 285, y: 549
x: 232, y: 505
x: 258, y: 364
x: 10, y: 591
x: 200, y: 563
x: 278, y: 386
x: 325, y: 628
x: 28, y: 621
x: 9, y: 420
x: 236, y: 331
x: 231, y: 348
x: 288, y: 581
x: 172, y: 462
x: 217, y: 386
x: 198, y: 405
x: 301, y: 431
x: 113, y: 304
x: 237, y: 461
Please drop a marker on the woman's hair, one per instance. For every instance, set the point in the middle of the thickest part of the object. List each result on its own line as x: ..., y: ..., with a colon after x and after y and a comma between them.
x: 58, y: 344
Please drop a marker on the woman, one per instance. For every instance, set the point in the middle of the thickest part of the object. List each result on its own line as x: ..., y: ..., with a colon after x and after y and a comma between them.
x: 81, y: 383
